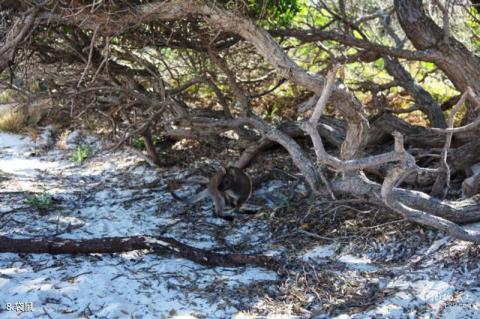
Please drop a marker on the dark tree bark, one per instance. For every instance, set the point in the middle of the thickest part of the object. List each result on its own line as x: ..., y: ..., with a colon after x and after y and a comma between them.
x: 476, y: 4
x: 121, y: 244
x: 458, y: 63
x: 417, y: 136
x: 463, y: 157
x: 425, y: 101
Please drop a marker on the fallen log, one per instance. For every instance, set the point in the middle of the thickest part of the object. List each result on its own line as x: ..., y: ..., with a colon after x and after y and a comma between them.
x: 56, y: 245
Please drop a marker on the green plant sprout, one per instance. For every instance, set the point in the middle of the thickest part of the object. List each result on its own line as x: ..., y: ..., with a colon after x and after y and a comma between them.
x: 80, y: 154
x: 42, y: 200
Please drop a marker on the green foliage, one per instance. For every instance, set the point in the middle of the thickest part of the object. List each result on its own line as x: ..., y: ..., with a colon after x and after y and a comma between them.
x: 278, y: 12
x: 80, y: 154
x: 473, y: 23
x: 67, y: 29
x: 311, y: 16
x: 39, y: 201
x: 427, y: 66
x: 379, y: 63
x: 138, y: 142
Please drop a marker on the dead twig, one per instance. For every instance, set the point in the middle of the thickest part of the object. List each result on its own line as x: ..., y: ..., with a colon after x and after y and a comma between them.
x: 395, y: 177
x: 442, y: 183
x: 90, y: 53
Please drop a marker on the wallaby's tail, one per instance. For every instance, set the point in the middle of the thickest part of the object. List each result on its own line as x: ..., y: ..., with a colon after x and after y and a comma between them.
x: 191, y: 199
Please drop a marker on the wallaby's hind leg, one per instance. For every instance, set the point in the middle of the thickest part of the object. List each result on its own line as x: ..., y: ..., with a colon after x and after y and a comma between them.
x: 219, y: 205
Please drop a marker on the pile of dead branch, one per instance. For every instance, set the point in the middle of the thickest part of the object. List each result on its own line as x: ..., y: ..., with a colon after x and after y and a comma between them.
x: 151, y: 73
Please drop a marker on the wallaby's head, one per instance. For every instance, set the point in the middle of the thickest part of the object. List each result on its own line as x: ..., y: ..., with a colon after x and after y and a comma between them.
x: 228, y: 179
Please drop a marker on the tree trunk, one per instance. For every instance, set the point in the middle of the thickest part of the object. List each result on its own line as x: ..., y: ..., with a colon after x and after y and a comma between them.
x: 459, y: 64
x: 419, y: 136
x: 424, y: 100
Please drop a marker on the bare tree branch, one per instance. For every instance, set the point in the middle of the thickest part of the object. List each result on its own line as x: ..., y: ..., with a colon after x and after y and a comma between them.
x: 442, y: 183
x: 57, y: 245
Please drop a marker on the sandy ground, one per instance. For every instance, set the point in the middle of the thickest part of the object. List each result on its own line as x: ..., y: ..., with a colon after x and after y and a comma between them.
x: 118, y: 194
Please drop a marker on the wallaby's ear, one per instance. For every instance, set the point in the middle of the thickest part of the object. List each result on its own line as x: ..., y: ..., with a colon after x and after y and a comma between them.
x: 221, y: 169
x: 231, y: 171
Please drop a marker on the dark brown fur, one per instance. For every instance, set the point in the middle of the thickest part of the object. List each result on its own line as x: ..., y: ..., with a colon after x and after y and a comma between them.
x: 230, y: 186
x: 237, y: 187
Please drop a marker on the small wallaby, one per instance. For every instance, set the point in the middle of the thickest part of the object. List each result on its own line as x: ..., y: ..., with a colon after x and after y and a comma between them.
x: 226, y: 187
x: 236, y: 186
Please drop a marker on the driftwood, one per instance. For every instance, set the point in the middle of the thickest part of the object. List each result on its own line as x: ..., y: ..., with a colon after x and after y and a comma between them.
x: 333, y: 131
x: 110, y: 245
